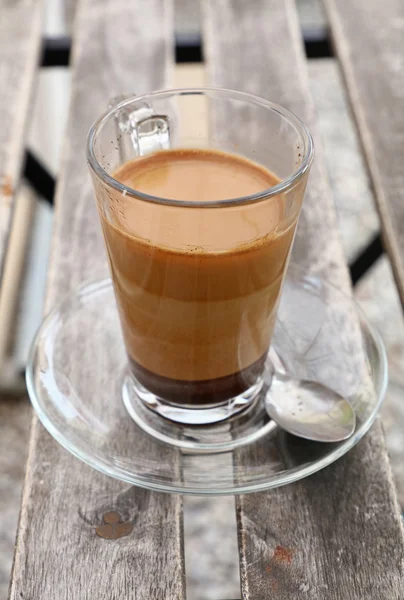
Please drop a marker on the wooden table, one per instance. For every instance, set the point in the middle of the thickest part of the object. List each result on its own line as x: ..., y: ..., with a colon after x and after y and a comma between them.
x: 20, y: 43
x: 339, y: 532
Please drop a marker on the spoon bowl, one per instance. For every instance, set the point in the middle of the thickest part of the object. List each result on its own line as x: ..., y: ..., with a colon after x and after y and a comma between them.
x: 309, y: 409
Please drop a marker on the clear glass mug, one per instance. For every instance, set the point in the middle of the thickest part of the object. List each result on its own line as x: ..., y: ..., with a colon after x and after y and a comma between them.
x: 196, y: 292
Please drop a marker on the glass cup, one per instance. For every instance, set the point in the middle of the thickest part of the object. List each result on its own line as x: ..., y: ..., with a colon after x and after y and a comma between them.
x: 197, y: 283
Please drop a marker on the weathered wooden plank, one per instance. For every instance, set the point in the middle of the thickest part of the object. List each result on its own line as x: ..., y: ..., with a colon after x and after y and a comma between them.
x: 15, y: 417
x: 337, y: 534
x: 119, y: 47
x: 368, y: 38
x: 20, y: 37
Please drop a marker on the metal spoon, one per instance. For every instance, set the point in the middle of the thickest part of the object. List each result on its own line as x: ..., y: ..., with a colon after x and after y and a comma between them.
x: 308, y: 409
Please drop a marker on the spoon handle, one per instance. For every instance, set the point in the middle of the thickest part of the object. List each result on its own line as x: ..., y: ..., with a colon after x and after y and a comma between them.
x: 276, y: 362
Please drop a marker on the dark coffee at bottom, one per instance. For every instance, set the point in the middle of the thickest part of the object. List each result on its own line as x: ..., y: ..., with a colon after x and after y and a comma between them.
x: 196, y: 287
x: 202, y: 392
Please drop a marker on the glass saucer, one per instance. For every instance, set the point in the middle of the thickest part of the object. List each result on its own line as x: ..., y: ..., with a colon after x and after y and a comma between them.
x: 76, y: 381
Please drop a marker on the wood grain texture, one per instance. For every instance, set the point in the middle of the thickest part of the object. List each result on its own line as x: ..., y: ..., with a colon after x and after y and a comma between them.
x: 119, y: 47
x: 15, y: 418
x: 368, y: 37
x: 20, y: 37
x: 13, y: 268
x: 338, y: 534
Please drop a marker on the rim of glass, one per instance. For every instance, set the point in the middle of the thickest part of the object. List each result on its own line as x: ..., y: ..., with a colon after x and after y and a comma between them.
x: 122, y: 474
x: 284, y: 185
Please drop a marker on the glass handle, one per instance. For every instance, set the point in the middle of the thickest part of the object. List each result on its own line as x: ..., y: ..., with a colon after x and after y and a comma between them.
x: 148, y: 131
